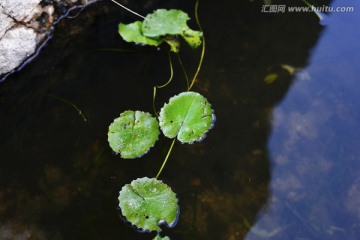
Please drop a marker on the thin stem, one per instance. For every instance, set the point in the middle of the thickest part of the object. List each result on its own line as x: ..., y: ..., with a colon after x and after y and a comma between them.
x: 70, y: 103
x: 127, y: 9
x: 77, y: 14
x: 171, y: 73
x: 154, y: 97
x: 166, y: 158
x: 165, y: 84
x: 184, y: 71
x: 203, y: 46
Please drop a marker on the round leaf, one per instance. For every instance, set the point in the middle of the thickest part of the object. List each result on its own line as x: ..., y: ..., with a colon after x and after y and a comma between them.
x: 133, y: 133
x: 187, y: 116
x: 148, y: 202
x: 163, y: 22
x: 132, y: 33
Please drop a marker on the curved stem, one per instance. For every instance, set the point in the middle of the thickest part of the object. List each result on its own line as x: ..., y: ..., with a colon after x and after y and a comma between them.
x: 164, y: 85
x: 171, y: 73
x: 154, y: 97
x: 203, y: 46
x: 127, y: 9
x: 70, y: 103
x: 166, y: 158
x: 183, y: 69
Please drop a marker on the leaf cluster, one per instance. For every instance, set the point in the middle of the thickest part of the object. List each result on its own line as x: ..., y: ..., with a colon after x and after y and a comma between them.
x: 162, y: 26
x: 147, y: 202
x: 188, y: 116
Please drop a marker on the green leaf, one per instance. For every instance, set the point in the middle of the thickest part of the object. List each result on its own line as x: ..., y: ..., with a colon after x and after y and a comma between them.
x: 162, y: 25
x: 133, y: 133
x: 132, y: 33
x: 158, y: 237
x: 163, y: 22
x: 187, y: 116
x: 193, y: 38
x: 147, y: 203
x: 171, y: 22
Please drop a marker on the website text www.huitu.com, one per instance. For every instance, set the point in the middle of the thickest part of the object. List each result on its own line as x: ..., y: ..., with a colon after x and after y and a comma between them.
x: 322, y: 9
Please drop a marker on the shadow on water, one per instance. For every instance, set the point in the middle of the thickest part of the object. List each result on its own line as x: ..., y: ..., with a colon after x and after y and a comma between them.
x: 58, y: 177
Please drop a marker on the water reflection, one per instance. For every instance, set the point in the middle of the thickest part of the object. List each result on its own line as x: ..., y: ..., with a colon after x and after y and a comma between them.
x: 314, y: 145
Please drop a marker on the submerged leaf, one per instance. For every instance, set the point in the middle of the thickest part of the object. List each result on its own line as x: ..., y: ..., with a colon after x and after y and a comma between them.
x: 133, y: 133
x: 148, y: 202
x: 132, y: 33
x: 187, y: 116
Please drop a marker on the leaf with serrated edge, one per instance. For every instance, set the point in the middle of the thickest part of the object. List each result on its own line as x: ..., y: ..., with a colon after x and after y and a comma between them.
x: 187, y: 116
x: 133, y: 133
x: 147, y: 203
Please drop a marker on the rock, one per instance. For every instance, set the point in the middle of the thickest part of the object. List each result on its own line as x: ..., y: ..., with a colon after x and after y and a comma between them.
x: 18, y: 38
x: 5, y: 23
x: 16, y: 45
x: 20, y: 10
x: 24, y: 25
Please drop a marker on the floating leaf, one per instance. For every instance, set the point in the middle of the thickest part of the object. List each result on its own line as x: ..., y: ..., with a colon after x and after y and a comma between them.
x: 171, y: 22
x: 187, y: 116
x: 159, y: 26
x: 133, y: 133
x: 148, y: 202
x: 162, y: 22
x: 158, y: 237
x: 132, y: 33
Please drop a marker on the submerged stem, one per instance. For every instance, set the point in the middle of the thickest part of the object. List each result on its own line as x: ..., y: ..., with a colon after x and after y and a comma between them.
x: 166, y: 158
x: 127, y: 9
x: 203, y: 47
x: 68, y: 102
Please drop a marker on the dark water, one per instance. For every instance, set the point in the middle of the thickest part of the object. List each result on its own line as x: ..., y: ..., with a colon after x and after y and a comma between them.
x: 281, y: 162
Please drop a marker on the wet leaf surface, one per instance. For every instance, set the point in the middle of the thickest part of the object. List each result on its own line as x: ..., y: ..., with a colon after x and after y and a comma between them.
x: 187, y: 116
x: 147, y: 203
x: 133, y: 133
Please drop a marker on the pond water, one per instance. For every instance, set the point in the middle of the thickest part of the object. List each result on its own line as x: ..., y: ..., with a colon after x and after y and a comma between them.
x: 281, y: 162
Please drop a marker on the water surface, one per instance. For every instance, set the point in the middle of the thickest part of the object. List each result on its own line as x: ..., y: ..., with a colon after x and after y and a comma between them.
x: 281, y: 162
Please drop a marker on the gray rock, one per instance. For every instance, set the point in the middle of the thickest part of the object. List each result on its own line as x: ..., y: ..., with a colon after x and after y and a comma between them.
x: 21, y: 10
x: 5, y: 23
x: 22, y: 28
x: 17, y: 37
x: 16, y: 45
